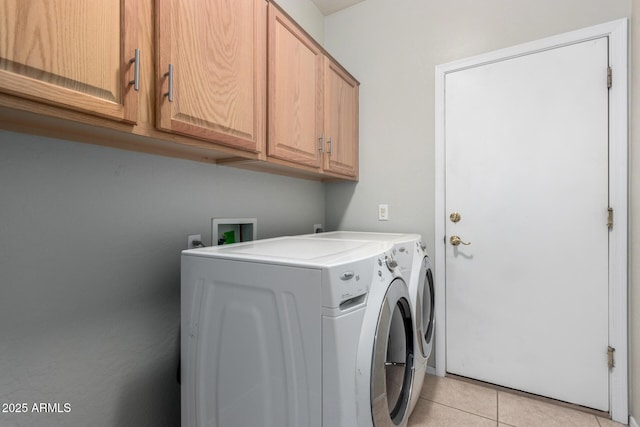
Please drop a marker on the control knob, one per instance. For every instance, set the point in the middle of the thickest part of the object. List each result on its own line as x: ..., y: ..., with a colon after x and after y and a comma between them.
x: 392, y: 264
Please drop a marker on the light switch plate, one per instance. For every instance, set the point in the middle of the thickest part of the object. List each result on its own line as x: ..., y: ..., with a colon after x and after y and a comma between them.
x: 383, y: 212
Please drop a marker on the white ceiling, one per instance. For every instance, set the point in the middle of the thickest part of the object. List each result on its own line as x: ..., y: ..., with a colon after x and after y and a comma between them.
x: 327, y: 7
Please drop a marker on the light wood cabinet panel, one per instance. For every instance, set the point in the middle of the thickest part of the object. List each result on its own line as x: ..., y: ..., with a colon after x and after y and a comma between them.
x: 295, y: 93
x: 71, y: 54
x: 340, y: 120
x: 217, y: 50
x: 313, y: 103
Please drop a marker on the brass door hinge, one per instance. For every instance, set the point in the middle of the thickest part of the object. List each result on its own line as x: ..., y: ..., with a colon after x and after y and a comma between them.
x: 609, y: 77
x: 610, y: 361
x: 610, y: 218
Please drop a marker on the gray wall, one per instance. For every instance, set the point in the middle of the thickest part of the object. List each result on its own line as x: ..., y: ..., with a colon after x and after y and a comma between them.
x: 90, y: 239
x: 307, y: 15
x: 392, y: 47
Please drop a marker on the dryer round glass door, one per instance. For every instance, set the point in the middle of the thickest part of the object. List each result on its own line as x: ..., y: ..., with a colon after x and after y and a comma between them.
x: 425, y: 304
x: 392, y: 369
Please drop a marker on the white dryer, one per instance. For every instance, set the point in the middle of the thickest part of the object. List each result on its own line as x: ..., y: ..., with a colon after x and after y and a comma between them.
x: 415, y: 267
x: 295, y: 332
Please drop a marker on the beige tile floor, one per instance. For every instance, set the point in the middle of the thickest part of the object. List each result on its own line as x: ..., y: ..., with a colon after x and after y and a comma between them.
x: 451, y: 402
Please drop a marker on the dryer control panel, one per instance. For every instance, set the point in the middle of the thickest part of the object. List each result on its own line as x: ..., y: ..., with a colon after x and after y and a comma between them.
x: 346, y: 286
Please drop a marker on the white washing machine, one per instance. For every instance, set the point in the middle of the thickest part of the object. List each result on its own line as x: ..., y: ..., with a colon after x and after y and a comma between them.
x: 415, y: 267
x: 295, y: 332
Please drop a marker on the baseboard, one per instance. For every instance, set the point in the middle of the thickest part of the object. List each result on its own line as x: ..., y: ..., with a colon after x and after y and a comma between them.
x: 432, y: 371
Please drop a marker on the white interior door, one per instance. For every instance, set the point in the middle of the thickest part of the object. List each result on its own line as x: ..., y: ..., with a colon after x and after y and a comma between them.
x: 526, y: 147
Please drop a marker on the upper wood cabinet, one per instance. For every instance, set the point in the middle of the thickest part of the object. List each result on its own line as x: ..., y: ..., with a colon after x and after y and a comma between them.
x: 180, y: 78
x: 313, y: 103
x: 340, y: 120
x: 211, y: 70
x: 295, y: 93
x: 71, y: 54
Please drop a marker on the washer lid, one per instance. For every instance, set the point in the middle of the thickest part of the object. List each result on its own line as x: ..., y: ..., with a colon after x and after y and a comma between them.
x: 368, y: 236
x: 295, y: 251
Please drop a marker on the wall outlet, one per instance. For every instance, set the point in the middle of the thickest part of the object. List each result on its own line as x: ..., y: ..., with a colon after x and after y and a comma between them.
x: 383, y: 212
x: 317, y: 228
x: 193, y: 238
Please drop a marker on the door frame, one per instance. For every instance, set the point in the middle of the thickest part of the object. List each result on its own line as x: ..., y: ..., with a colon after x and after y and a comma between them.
x: 616, y: 31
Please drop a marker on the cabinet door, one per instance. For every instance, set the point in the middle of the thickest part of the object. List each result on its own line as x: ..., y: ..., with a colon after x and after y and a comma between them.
x: 295, y: 92
x: 217, y: 51
x: 71, y: 54
x: 341, y: 121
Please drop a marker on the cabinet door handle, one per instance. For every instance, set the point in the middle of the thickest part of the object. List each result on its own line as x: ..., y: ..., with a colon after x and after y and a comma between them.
x: 169, y: 75
x: 321, y: 145
x: 330, y: 146
x: 136, y: 70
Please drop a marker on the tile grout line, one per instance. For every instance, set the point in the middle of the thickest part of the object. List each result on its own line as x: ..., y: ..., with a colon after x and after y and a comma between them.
x: 497, y: 408
x: 458, y: 409
x: 498, y: 422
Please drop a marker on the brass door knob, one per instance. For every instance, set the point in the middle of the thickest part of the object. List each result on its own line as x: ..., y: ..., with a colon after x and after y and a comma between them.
x: 456, y: 240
